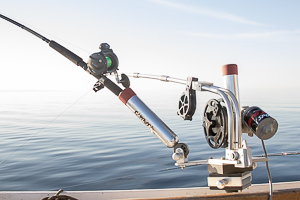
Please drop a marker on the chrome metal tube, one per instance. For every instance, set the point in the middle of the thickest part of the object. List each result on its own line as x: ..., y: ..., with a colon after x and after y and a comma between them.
x: 231, y: 135
x: 230, y: 76
x: 152, y: 121
x: 231, y: 83
x: 238, y: 122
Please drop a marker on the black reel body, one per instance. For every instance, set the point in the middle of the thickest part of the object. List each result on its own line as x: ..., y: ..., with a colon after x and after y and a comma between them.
x: 97, y: 63
x: 215, y: 124
x: 104, y: 61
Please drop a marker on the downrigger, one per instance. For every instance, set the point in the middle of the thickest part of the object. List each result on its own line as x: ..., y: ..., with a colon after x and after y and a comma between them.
x: 224, y: 120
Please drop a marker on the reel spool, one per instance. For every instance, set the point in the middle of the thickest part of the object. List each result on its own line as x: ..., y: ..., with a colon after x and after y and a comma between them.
x: 215, y: 124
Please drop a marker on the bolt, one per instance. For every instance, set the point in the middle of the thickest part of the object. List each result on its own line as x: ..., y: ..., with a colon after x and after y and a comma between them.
x: 234, y: 155
x: 222, y: 183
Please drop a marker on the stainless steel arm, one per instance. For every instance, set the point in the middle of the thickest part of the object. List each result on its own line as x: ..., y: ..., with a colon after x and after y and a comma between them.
x: 158, y: 77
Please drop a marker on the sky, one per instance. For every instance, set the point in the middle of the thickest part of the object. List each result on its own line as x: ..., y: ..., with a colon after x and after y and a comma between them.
x: 161, y: 37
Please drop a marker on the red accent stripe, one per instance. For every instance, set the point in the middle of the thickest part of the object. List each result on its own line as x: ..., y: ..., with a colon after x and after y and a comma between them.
x: 230, y: 69
x: 250, y: 122
x: 126, y: 94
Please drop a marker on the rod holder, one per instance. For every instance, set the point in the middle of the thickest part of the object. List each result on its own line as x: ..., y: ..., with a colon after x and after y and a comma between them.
x: 230, y: 77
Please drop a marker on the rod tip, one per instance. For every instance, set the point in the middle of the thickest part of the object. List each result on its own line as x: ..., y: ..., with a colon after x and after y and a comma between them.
x: 230, y: 69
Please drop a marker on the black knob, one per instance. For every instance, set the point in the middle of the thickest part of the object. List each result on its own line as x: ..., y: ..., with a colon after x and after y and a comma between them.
x: 104, y: 46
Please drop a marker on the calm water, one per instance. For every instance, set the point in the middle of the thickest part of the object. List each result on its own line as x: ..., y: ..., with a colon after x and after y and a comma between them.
x: 97, y: 143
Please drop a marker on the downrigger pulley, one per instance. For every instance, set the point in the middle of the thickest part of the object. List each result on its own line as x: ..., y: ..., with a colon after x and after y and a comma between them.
x: 187, y: 101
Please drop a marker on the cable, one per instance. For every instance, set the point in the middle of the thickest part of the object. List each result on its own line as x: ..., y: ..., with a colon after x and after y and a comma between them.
x: 280, y: 154
x: 268, y: 170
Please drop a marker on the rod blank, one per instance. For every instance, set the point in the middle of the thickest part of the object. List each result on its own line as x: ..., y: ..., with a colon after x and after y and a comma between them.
x: 26, y: 28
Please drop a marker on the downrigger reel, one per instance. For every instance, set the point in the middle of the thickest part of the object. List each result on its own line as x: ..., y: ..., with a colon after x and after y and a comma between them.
x: 214, y: 124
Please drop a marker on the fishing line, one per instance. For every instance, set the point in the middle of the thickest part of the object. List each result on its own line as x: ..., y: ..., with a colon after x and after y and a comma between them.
x: 268, y: 170
x: 280, y: 154
x: 44, y: 127
x: 177, y: 168
x: 125, y: 176
x: 173, y: 168
x: 263, y: 155
x: 67, y: 42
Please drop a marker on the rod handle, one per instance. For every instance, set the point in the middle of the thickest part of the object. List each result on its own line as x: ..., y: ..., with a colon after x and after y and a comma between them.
x: 68, y: 54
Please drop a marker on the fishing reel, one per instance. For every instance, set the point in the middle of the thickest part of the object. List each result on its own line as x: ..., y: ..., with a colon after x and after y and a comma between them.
x: 104, y: 61
x: 187, y: 101
x: 215, y: 124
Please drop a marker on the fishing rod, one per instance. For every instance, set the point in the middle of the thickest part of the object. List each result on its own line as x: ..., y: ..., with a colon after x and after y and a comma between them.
x: 103, y: 63
x: 65, y: 52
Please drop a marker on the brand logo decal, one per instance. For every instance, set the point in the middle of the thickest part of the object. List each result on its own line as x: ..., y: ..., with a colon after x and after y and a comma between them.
x: 144, y: 120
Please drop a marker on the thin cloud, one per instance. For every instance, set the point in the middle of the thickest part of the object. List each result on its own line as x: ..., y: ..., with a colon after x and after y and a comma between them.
x: 208, y: 12
x: 262, y: 35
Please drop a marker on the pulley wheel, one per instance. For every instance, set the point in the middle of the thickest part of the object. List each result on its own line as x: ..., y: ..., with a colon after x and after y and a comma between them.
x: 184, y: 147
x: 187, y: 105
x: 183, y: 106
